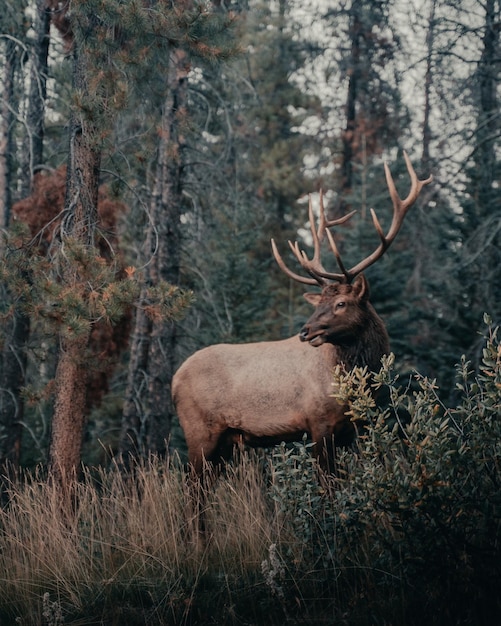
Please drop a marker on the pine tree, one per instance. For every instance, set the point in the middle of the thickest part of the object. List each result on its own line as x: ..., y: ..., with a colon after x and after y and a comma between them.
x: 476, y: 272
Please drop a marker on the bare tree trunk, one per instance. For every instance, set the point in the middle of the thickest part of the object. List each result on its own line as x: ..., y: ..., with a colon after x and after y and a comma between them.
x: 348, y: 135
x: 12, y: 379
x: 8, y: 405
x: 414, y: 285
x: 485, y: 190
x: 428, y: 82
x: 488, y: 115
x: 167, y: 199
x: 148, y: 410
x: 132, y: 437
x: 35, y: 122
x: 6, y: 131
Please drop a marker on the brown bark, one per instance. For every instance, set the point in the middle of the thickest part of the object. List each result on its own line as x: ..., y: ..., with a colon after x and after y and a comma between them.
x: 79, y: 225
x: 70, y: 394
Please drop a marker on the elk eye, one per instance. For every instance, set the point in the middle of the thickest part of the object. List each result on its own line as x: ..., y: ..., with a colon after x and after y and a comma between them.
x: 340, y: 305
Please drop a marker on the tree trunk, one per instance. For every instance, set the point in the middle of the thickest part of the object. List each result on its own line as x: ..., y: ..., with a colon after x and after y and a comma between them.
x: 81, y: 216
x: 148, y: 410
x: 9, y: 410
x: 13, y: 359
x: 6, y: 131
x: 485, y: 190
x: 167, y: 200
x: 132, y: 437
x: 35, y: 119
x: 348, y: 135
x: 428, y: 83
x: 12, y: 379
x: 68, y: 421
x: 488, y: 117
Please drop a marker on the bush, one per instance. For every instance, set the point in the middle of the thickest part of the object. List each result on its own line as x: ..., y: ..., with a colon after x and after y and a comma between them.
x: 406, y: 533
x: 425, y: 497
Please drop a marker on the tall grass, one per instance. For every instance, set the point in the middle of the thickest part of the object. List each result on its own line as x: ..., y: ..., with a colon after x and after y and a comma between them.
x: 131, y: 548
x: 407, y: 533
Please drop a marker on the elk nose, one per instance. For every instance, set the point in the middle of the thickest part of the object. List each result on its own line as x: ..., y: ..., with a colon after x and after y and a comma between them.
x: 303, y: 333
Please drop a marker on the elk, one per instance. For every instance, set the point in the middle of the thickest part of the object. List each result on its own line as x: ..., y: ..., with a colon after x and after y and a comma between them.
x: 263, y: 393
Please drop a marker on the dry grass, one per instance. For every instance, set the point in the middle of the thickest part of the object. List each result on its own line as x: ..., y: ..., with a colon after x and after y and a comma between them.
x: 132, y: 543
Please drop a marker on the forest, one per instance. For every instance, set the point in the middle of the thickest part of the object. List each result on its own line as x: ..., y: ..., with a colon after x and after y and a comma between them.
x: 149, y: 152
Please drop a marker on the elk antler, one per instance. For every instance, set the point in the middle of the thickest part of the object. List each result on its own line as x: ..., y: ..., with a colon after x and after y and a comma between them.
x: 314, y: 267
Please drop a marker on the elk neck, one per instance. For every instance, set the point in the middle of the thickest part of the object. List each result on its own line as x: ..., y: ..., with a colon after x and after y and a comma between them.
x: 366, y: 347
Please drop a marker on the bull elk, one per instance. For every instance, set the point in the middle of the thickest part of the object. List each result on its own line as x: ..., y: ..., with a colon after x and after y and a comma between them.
x: 267, y: 392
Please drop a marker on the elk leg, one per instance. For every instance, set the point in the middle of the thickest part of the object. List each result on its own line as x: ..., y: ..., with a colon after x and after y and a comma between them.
x: 199, y: 455
x: 327, y: 439
x: 201, y: 476
x: 325, y: 452
x: 213, y: 449
x: 205, y: 457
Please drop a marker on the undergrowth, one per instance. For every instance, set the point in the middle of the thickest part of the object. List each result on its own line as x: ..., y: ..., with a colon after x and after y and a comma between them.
x: 406, y: 533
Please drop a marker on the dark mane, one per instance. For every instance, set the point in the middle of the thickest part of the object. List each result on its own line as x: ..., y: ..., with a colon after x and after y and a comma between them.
x: 368, y: 346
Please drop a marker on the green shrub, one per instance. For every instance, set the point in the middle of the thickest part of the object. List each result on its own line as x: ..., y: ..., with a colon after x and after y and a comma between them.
x: 425, y: 497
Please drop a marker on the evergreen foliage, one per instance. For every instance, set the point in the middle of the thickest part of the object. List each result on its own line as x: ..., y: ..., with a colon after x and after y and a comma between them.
x: 102, y: 298
x: 292, y: 107
x: 248, y: 152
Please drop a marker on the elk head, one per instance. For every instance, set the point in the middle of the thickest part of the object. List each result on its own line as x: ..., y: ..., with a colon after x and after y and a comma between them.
x: 344, y: 299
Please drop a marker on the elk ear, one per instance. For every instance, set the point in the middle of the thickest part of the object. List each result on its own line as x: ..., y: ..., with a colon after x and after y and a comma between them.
x: 312, y: 298
x: 361, y: 288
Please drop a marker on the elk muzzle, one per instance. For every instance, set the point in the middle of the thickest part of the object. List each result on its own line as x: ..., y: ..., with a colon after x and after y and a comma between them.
x: 314, y: 334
